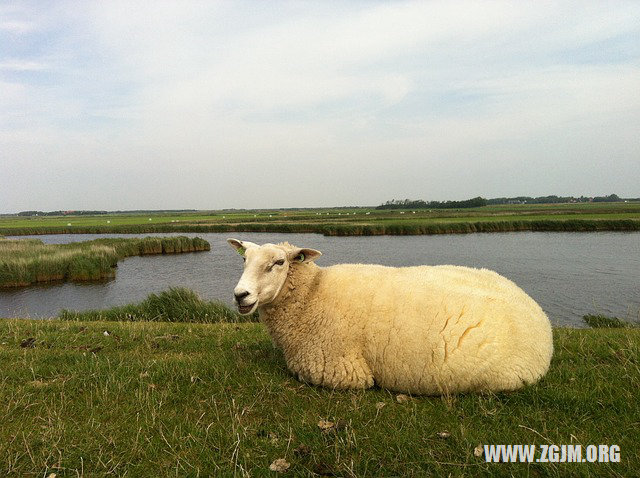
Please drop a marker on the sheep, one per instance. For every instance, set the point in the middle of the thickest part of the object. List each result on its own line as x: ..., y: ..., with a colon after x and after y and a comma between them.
x: 431, y: 330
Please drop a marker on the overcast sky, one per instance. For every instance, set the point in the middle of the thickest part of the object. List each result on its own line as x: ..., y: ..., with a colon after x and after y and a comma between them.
x: 167, y: 105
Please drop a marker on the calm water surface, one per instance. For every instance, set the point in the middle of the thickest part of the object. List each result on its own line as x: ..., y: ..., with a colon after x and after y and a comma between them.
x: 569, y: 274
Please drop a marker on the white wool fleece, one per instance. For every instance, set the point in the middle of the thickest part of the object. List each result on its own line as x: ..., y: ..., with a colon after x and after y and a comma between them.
x: 422, y: 330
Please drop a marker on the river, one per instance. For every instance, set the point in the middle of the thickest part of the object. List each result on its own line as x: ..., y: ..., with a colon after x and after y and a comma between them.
x: 569, y: 274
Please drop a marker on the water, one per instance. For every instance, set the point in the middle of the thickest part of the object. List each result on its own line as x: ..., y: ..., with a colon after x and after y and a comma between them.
x: 568, y: 274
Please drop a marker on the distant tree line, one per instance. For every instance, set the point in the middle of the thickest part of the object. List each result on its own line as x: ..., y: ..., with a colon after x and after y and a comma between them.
x: 61, y: 213
x: 553, y: 199
x: 98, y: 213
x: 420, y: 204
x: 479, y: 202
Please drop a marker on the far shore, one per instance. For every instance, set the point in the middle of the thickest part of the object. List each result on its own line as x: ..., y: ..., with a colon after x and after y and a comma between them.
x: 584, y: 217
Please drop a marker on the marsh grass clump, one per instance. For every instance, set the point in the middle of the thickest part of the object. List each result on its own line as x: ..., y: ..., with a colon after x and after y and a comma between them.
x: 599, y: 321
x: 177, y: 304
x: 28, y: 261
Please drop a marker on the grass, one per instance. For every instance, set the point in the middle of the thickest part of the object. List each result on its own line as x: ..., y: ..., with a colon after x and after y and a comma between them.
x: 184, y: 399
x: 349, y: 221
x: 603, y: 321
x: 24, y: 262
x: 174, y: 305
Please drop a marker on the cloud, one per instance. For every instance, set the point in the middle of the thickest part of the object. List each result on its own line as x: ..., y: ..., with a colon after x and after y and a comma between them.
x: 411, y: 99
x: 22, y: 65
x: 16, y: 27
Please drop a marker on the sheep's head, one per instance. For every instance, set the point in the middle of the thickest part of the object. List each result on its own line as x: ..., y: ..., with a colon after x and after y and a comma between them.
x: 265, y: 271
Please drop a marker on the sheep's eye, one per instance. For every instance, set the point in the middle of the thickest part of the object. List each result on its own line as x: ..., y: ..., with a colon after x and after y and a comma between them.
x: 279, y: 263
x: 244, y: 259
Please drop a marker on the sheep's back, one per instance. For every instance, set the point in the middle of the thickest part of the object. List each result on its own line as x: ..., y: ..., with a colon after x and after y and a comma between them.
x: 437, y: 328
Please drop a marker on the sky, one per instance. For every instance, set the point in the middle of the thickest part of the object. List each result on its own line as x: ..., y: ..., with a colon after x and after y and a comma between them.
x: 113, y: 105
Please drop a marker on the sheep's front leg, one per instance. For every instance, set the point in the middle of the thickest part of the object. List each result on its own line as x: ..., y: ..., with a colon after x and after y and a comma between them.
x: 340, y: 371
x: 348, y: 371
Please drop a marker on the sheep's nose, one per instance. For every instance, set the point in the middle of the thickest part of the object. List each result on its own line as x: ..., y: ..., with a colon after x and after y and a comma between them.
x: 240, y: 295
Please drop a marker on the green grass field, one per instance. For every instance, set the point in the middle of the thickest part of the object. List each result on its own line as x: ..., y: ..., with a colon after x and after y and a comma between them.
x: 583, y: 216
x: 184, y: 399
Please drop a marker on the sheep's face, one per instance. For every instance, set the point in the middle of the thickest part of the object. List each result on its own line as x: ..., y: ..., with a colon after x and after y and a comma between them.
x: 265, y: 271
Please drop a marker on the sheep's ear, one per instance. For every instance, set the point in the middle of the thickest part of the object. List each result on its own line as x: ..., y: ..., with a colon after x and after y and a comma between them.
x: 304, y: 255
x: 240, y: 246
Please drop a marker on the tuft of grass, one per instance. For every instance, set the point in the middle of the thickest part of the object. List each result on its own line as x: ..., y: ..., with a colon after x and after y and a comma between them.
x: 171, y: 399
x: 600, y: 321
x: 174, y: 305
x: 24, y: 262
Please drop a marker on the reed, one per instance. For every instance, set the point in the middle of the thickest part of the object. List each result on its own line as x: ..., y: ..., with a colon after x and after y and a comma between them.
x: 174, y: 305
x: 422, y: 228
x: 354, y: 227
x: 600, y: 321
x: 25, y: 262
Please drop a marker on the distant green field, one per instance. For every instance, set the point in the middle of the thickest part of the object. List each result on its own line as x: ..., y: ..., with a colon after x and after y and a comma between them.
x: 567, y: 217
x: 101, y: 220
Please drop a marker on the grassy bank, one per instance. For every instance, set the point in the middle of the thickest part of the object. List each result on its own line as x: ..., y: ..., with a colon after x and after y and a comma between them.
x: 417, y: 228
x: 162, y: 399
x: 355, y: 221
x: 174, y: 305
x: 24, y: 262
x: 390, y: 227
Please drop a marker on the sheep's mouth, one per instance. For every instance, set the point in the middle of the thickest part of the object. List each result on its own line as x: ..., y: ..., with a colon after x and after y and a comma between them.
x: 246, y: 309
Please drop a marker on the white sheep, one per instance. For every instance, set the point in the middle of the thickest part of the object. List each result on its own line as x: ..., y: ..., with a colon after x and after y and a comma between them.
x: 421, y: 330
